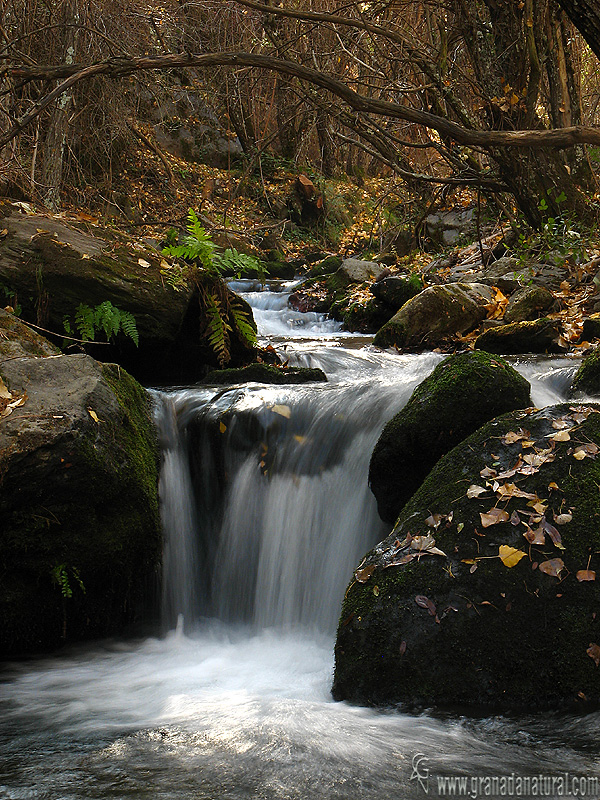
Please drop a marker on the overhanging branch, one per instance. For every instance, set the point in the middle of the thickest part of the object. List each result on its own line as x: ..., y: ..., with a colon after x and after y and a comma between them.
x: 122, y: 67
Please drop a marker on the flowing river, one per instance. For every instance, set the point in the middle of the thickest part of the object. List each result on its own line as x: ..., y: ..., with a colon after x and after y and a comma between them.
x: 266, y: 511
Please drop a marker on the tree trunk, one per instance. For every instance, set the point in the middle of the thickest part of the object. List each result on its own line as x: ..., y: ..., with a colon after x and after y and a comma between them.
x: 56, y: 135
x: 585, y: 15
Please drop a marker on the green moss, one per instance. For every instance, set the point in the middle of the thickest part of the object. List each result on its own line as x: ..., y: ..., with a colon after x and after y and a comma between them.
x: 587, y: 377
x: 460, y: 395
x: 506, y: 637
x: 325, y: 267
x: 535, y: 336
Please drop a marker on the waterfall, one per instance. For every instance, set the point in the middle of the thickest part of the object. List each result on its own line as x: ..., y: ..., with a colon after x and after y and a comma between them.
x: 275, y: 479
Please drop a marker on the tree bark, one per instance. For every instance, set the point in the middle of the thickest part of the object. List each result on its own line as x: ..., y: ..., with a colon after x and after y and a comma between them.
x: 585, y: 15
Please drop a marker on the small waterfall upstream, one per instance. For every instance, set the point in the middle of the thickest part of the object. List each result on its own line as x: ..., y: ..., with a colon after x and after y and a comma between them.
x: 266, y: 511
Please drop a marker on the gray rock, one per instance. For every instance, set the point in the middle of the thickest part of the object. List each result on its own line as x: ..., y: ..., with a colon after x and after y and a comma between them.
x: 447, y: 227
x: 529, y: 303
x: 435, y: 314
x: 358, y: 271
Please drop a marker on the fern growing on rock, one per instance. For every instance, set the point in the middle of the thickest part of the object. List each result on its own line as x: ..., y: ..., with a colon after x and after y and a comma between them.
x: 223, y: 315
x: 105, y: 318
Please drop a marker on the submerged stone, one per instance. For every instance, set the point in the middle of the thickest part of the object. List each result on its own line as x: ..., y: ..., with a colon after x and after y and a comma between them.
x: 460, y: 395
x: 264, y: 373
x: 504, y: 613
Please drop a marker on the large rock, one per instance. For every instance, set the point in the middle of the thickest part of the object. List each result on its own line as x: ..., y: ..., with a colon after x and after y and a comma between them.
x: 460, y: 395
x: 535, y: 336
x: 358, y: 271
x: 80, y: 540
x: 530, y: 302
x: 435, y: 314
x: 395, y: 290
x: 52, y: 265
x: 264, y: 373
x: 507, y: 614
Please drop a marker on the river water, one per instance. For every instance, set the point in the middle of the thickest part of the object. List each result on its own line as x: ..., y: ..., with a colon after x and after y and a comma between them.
x: 266, y: 511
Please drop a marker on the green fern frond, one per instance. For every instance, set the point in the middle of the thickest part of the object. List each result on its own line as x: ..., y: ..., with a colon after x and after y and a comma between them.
x: 218, y: 330
x: 84, y: 322
x: 129, y: 327
x: 245, y: 328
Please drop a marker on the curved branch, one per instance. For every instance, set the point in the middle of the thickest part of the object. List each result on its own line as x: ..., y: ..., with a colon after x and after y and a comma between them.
x: 122, y: 67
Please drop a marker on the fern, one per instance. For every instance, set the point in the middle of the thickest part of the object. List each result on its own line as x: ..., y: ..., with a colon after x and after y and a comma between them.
x: 105, y: 317
x: 237, y: 262
x: 244, y: 326
x: 196, y: 246
x: 218, y: 330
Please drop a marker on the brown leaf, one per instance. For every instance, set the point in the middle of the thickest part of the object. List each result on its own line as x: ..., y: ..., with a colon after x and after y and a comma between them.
x: 553, y: 567
x: 585, y: 575
x: 402, y: 648
x: 553, y: 533
x: 536, y: 536
x: 363, y: 575
x: 425, y: 602
x: 562, y: 519
x: 433, y: 520
x: 493, y: 517
x: 593, y: 652
x: 474, y: 491
x: 515, y: 519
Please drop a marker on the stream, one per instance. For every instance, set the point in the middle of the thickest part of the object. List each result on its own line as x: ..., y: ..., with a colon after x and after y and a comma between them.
x: 266, y: 512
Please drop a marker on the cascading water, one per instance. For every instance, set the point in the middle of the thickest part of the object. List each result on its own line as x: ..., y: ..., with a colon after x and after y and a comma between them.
x: 266, y: 512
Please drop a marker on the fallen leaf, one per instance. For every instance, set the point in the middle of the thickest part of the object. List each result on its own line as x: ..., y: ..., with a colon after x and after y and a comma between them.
x: 284, y: 411
x: 515, y: 519
x: 93, y: 414
x: 143, y: 263
x: 402, y: 648
x: 222, y: 426
x: 363, y: 575
x: 536, y: 536
x: 376, y: 591
x: 486, y: 472
x: 593, y: 652
x: 425, y: 602
x: 493, y: 517
x: 553, y: 567
x: 553, y: 486
x: 433, y: 520
x: 475, y: 491
x: 512, y: 490
x: 4, y: 393
x: 560, y: 436
x: 561, y: 424
x: 553, y: 534
x: 585, y: 575
x: 460, y: 526
x: 562, y: 519
x: 510, y: 556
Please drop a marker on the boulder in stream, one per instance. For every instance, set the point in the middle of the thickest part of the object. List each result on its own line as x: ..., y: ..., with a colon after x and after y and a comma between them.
x: 485, y: 592
x: 80, y: 539
x: 460, y: 395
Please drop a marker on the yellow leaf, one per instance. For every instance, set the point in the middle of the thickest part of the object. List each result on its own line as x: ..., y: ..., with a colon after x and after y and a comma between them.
x: 284, y: 411
x: 85, y: 255
x: 510, y: 556
x: 93, y: 414
x: 560, y: 436
x: 222, y: 426
x: 300, y: 439
x: 143, y: 263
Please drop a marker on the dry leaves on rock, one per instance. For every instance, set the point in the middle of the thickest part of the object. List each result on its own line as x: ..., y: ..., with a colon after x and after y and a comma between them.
x: 510, y: 556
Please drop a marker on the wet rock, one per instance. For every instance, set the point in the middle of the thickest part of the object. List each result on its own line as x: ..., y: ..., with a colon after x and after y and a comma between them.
x: 461, y: 394
x: 537, y: 336
x: 263, y: 373
x: 326, y: 266
x: 587, y: 377
x: 80, y: 539
x: 435, y: 314
x: 395, y: 290
x: 529, y: 303
x: 466, y: 628
x: 18, y: 340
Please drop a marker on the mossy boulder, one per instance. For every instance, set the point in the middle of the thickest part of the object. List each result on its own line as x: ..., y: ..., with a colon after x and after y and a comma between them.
x: 357, y: 315
x: 80, y: 539
x: 264, y: 373
x: 395, y: 290
x: 460, y: 395
x: 435, y: 314
x: 49, y: 266
x: 587, y: 377
x: 535, y: 336
x: 506, y: 615
x: 327, y: 266
x: 529, y: 303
